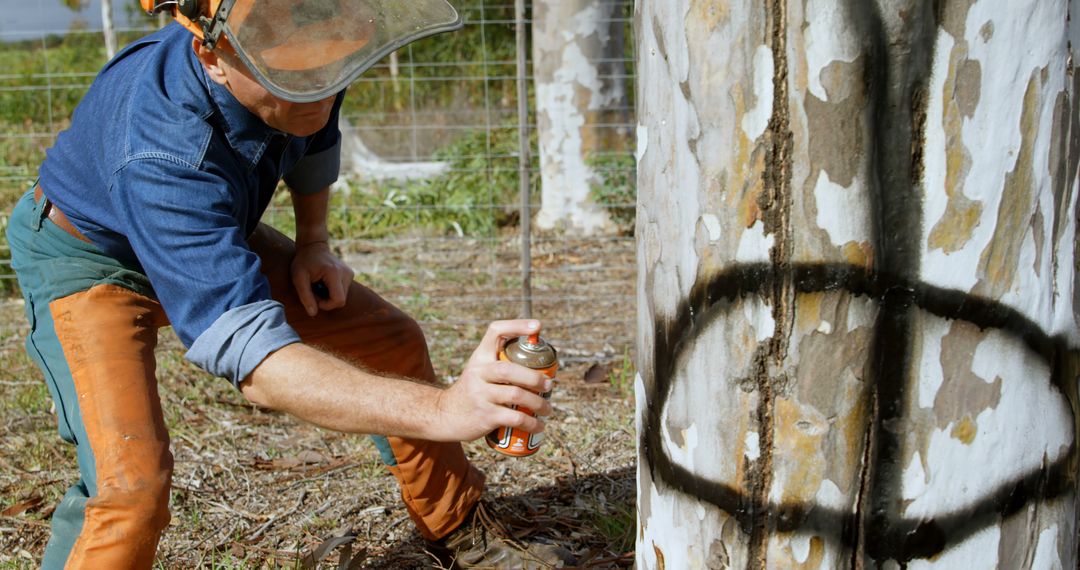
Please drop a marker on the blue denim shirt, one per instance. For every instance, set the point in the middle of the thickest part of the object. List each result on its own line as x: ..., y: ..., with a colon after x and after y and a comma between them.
x: 163, y: 169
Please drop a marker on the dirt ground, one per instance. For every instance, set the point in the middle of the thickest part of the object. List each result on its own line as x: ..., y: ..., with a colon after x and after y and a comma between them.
x: 257, y: 489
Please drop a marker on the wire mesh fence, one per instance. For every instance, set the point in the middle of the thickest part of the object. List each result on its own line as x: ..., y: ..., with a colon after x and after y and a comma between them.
x: 427, y: 210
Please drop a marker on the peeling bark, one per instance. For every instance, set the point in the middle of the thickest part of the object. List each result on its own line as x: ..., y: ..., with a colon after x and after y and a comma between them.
x: 580, y: 100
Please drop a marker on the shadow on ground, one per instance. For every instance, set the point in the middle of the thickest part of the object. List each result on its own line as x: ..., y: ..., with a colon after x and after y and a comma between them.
x: 592, y: 515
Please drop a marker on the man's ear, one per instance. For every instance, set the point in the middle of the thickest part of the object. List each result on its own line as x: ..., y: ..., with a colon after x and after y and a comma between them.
x: 210, y: 61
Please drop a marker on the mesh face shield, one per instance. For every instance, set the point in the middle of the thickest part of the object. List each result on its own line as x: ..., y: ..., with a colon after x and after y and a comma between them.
x: 307, y: 50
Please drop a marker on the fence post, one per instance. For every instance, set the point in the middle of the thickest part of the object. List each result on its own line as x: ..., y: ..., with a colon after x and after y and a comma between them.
x: 524, y: 159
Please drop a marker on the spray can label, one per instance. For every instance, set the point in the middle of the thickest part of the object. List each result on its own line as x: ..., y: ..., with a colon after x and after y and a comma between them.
x: 534, y: 352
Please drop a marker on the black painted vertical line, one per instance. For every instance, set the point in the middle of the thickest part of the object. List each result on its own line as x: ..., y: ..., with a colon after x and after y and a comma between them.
x: 901, y: 63
x: 855, y: 533
x: 864, y: 22
x: 876, y: 76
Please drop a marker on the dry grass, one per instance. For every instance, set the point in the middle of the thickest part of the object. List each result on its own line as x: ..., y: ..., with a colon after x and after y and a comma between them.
x: 255, y: 489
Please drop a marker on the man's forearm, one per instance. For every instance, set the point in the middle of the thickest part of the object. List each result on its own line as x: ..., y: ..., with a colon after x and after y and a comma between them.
x: 310, y: 211
x: 329, y: 392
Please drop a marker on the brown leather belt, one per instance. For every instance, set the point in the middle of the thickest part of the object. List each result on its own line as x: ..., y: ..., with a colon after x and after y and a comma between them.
x: 57, y: 216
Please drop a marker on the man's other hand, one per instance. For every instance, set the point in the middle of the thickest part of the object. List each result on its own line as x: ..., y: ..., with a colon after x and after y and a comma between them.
x: 314, y: 263
x: 480, y: 400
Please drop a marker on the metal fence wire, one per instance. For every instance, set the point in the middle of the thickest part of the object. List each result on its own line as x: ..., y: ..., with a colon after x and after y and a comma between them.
x: 429, y: 208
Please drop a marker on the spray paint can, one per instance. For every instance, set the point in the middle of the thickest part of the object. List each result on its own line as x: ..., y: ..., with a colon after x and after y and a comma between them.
x: 533, y: 352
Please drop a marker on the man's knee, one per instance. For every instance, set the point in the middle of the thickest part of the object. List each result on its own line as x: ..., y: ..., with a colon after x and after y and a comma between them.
x: 412, y: 349
x: 372, y: 332
x: 139, y: 505
x: 411, y: 336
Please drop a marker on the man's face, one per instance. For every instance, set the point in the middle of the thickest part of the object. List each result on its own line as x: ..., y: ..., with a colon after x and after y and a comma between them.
x: 299, y: 119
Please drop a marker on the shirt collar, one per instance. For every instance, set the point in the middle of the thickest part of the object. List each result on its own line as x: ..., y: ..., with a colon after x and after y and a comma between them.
x: 245, y: 131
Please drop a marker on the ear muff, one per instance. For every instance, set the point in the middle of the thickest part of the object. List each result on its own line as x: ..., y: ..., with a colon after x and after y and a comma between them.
x: 188, y: 8
x: 195, y: 15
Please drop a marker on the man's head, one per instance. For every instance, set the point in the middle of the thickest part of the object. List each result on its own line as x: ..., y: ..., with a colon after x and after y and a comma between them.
x: 224, y: 67
x: 307, y: 50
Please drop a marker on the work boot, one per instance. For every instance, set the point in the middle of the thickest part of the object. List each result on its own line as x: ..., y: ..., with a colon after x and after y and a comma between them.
x: 483, y: 542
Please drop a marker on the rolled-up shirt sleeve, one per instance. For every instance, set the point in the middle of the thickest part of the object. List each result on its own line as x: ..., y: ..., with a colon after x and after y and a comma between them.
x: 183, y: 229
x: 320, y: 166
x: 240, y: 339
x: 315, y: 171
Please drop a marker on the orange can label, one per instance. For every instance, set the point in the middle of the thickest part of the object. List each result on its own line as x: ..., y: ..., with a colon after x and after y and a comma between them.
x: 515, y: 441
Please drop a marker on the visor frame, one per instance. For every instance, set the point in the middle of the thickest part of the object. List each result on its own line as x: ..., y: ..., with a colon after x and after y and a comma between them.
x: 346, y: 80
x: 212, y: 26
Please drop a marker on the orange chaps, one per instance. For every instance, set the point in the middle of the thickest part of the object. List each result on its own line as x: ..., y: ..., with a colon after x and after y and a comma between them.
x: 108, y: 404
x: 438, y: 484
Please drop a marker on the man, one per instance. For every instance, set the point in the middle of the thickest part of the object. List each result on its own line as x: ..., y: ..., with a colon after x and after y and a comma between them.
x: 147, y: 214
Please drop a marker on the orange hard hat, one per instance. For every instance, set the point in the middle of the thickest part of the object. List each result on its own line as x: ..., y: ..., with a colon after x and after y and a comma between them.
x: 306, y: 50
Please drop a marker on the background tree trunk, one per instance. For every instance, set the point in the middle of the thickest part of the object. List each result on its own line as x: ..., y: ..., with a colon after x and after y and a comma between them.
x: 857, y: 284
x: 577, y: 45
x: 107, y: 28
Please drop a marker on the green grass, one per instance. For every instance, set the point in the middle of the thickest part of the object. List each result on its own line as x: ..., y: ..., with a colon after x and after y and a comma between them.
x: 31, y: 398
x: 617, y: 524
x: 617, y: 187
x: 477, y: 195
x: 622, y: 375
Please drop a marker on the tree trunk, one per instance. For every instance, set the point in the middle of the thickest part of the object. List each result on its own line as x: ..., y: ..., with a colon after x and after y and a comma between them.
x: 580, y: 94
x: 857, y: 328
x: 107, y: 28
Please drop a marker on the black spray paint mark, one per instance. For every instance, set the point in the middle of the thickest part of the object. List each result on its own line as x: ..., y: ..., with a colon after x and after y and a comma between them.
x: 900, y: 68
x: 901, y: 538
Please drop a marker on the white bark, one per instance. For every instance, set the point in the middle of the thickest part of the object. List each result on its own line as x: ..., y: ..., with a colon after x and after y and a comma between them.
x: 394, y: 68
x: 571, y: 39
x: 107, y: 28
x: 857, y: 327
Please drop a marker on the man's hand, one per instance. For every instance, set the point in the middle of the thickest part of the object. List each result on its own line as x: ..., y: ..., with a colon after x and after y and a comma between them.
x: 314, y: 262
x: 479, y: 401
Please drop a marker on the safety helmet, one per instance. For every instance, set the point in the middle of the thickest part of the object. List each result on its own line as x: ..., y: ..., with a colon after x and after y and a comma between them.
x: 306, y: 50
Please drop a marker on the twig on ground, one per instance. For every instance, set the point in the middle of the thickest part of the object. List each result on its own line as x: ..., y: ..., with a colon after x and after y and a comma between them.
x: 390, y: 528
x: 227, y: 508
x: 259, y: 531
x: 329, y: 471
x: 318, y: 511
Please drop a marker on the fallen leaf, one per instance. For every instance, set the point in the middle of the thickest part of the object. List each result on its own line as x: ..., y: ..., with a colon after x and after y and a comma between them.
x: 287, y: 462
x: 19, y: 508
x: 597, y: 373
x: 312, y: 559
x: 301, y: 459
x: 308, y: 456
